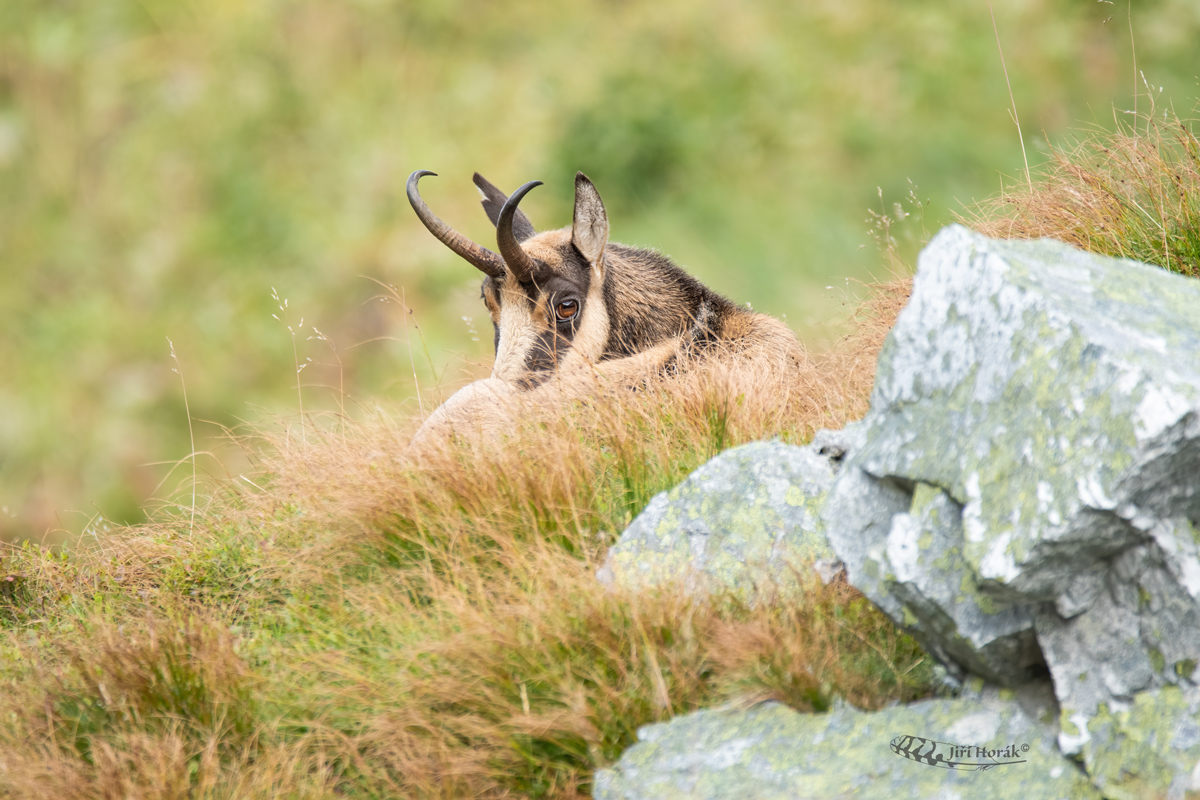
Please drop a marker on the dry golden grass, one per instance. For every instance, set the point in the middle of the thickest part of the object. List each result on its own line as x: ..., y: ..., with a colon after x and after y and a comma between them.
x: 1133, y: 193
x: 354, y: 620
x: 545, y: 681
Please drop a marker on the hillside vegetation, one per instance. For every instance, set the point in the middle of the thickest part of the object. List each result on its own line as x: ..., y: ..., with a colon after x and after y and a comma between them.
x: 336, y: 616
x: 354, y: 619
x: 350, y: 620
x: 165, y: 165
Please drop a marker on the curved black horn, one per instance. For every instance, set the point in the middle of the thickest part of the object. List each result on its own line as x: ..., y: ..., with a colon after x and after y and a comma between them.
x: 481, y: 258
x: 514, y: 255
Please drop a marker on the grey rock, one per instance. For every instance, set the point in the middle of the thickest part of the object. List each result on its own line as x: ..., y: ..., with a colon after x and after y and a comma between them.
x: 903, y: 549
x: 747, y: 518
x: 770, y: 751
x: 1094, y: 658
x: 1147, y: 748
x: 1140, y: 632
x: 1052, y: 393
x: 1081, y: 592
x: 1045, y: 403
x: 991, y: 638
x: 829, y: 569
x: 837, y: 444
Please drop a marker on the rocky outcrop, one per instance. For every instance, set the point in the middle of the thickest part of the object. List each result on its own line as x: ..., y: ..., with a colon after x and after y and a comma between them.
x: 770, y: 751
x: 1030, y: 476
x: 747, y: 518
x: 1024, y: 496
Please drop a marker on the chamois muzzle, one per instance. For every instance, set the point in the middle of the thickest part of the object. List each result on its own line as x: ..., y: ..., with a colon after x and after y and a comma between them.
x: 481, y: 258
x: 514, y: 255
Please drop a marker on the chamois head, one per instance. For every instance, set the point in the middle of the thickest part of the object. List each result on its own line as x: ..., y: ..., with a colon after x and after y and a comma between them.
x: 545, y: 292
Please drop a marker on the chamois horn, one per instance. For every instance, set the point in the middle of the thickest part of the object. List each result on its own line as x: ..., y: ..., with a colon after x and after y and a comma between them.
x: 479, y: 257
x: 514, y: 255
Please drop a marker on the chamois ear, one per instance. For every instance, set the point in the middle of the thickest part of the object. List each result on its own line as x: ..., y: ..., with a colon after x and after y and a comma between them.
x: 493, y: 201
x: 589, y: 229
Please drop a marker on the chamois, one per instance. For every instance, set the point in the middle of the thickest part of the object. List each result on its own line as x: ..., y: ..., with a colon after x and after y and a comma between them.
x: 570, y: 305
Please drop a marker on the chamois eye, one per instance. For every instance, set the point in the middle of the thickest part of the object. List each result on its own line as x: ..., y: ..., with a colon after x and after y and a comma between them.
x: 566, y: 310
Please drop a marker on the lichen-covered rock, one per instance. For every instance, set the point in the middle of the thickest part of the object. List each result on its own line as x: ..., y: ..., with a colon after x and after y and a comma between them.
x: 1024, y: 495
x: 1149, y: 749
x: 1053, y: 393
x: 903, y: 547
x: 770, y: 751
x: 748, y: 516
x: 989, y: 637
x: 1046, y: 404
x: 1140, y: 631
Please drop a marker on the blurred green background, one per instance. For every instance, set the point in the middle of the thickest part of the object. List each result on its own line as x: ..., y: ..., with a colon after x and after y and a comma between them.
x: 165, y: 165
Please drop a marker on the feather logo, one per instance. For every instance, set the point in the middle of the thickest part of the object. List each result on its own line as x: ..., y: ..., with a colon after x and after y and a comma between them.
x: 947, y: 755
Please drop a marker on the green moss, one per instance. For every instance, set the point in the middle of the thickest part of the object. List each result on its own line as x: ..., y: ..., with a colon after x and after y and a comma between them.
x: 1138, y: 752
x: 871, y: 568
x: 924, y: 495
x: 795, y: 497
x: 1144, y: 598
